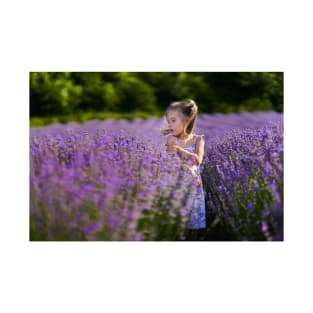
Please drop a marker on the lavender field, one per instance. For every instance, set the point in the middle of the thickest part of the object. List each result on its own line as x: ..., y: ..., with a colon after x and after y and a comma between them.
x: 113, y: 180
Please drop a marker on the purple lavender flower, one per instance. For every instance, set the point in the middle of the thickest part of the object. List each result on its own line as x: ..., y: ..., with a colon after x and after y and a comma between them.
x: 99, y: 179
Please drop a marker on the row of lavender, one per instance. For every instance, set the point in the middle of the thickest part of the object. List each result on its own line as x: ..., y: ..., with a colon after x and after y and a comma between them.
x: 102, y: 187
x: 111, y: 180
x: 243, y: 177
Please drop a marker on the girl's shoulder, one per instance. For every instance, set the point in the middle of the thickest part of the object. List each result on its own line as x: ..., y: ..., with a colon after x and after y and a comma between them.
x: 199, y: 135
x: 199, y: 138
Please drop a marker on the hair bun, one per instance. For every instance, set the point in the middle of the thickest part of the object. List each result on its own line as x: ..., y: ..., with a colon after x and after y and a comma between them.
x: 190, y: 102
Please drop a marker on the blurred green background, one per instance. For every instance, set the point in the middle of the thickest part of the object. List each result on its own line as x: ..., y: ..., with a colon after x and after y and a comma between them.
x: 80, y: 96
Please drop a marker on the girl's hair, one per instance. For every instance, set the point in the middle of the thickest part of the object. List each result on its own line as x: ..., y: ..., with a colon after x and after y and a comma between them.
x: 189, y: 108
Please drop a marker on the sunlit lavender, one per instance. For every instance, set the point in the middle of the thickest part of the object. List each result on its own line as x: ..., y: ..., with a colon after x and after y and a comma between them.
x: 113, y: 180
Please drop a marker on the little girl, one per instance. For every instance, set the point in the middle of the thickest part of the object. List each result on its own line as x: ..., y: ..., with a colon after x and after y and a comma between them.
x: 181, y: 118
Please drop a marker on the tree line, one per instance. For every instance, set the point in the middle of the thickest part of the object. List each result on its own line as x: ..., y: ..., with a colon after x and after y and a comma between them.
x: 63, y: 93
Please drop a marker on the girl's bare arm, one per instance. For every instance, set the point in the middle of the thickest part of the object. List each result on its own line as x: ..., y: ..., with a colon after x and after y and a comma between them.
x: 197, y: 156
x: 170, y: 143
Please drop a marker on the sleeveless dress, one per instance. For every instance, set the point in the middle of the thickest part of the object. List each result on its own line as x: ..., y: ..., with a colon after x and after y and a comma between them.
x: 196, y: 216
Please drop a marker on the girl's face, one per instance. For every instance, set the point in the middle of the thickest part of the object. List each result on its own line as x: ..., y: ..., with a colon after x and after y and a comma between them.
x: 176, y: 121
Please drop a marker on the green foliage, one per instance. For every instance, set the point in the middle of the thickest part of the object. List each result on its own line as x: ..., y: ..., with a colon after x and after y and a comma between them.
x: 53, y: 94
x: 70, y: 95
x: 135, y: 94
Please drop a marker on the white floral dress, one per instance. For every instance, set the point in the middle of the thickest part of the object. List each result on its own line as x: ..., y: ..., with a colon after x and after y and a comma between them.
x: 197, y: 218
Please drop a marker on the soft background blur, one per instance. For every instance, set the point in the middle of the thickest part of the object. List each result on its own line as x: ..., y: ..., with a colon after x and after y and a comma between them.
x: 61, y: 97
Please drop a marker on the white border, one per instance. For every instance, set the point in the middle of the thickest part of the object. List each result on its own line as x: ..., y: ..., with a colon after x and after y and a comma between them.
x: 154, y: 36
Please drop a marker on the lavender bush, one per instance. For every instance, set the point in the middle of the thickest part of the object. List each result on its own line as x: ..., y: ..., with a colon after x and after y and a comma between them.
x: 99, y: 187
x: 243, y: 176
x: 112, y: 180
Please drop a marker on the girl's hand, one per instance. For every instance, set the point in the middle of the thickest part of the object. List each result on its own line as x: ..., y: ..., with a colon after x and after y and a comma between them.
x: 170, y: 148
x: 171, y: 141
x: 191, y: 170
x: 177, y: 148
